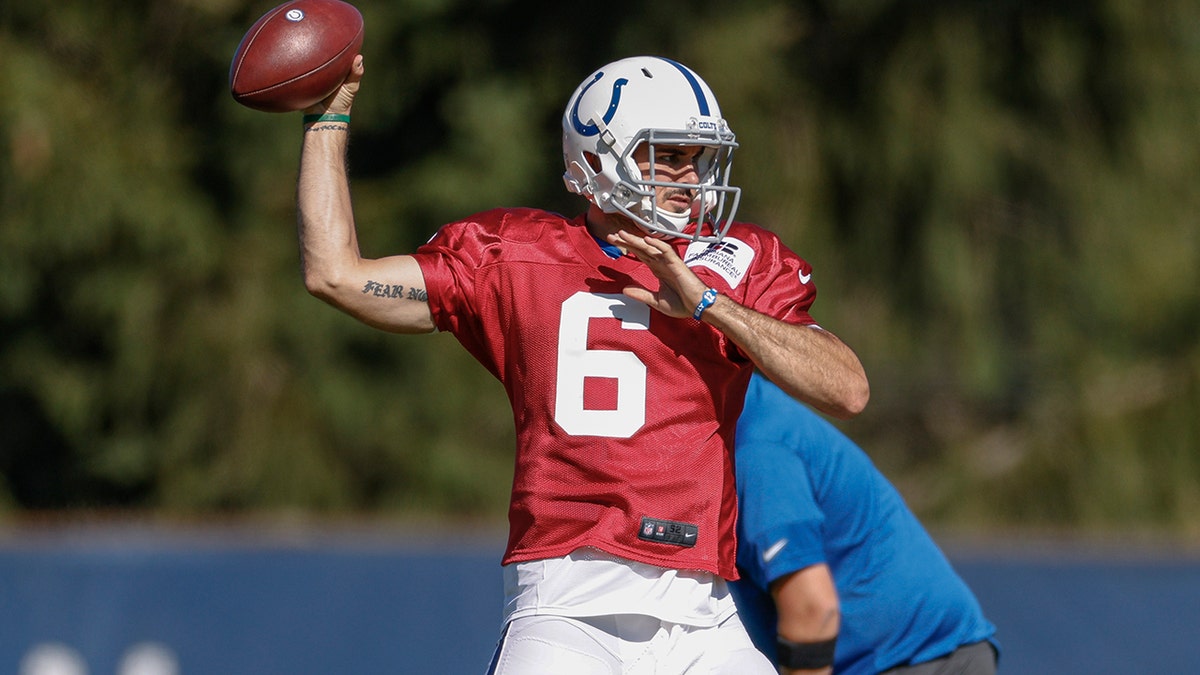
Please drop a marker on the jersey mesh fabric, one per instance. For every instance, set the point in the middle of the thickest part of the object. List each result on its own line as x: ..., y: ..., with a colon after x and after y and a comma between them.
x: 531, y: 295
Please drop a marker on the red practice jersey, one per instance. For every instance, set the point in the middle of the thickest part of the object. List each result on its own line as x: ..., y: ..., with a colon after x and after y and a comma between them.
x: 624, y: 416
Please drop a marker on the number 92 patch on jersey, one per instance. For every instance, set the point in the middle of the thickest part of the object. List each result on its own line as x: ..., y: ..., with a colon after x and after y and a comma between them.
x: 668, y: 532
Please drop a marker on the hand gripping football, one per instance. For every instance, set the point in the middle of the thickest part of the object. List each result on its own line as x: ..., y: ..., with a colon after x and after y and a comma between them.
x: 296, y: 55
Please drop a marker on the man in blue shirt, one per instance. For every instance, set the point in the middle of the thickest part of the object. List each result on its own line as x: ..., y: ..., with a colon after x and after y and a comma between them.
x: 838, y: 575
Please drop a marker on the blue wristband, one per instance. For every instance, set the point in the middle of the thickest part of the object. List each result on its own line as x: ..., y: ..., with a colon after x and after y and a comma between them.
x: 706, y: 301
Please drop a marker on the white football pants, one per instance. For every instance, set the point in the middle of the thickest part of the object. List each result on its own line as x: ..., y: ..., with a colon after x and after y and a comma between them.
x: 628, y: 644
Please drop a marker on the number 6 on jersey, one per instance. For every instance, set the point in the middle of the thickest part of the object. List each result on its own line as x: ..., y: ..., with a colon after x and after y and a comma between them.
x: 576, y: 362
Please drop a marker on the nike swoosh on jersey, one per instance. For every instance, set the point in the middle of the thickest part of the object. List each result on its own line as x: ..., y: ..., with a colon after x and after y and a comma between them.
x: 805, y: 278
x: 769, y: 554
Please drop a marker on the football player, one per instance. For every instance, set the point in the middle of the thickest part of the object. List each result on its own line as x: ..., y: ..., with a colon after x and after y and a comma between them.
x: 624, y: 338
x: 838, y: 575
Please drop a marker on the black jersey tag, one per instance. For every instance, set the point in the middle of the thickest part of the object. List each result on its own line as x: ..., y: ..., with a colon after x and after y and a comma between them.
x: 668, y: 532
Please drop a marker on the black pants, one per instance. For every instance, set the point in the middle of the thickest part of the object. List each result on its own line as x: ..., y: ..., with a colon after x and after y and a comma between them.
x: 978, y: 658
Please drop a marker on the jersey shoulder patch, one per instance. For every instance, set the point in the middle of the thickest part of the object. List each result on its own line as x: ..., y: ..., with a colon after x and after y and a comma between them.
x: 730, y: 257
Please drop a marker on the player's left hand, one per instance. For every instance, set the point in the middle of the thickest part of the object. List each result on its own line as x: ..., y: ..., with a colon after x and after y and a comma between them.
x: 681, y: 289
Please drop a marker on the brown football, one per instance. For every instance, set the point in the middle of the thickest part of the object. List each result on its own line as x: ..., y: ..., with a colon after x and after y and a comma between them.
x: 296, y: 55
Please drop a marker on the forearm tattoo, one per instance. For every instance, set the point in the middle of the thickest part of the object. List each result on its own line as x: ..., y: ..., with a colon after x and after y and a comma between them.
x: 327, y: 127
x: 394, y: 291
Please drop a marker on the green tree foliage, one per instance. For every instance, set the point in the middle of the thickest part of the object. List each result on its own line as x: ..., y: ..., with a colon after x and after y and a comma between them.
x: 1012, y: 181
x: 997, y: 198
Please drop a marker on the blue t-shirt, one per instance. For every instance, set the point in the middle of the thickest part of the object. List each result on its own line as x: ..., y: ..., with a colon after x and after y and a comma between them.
x: 807, y: 495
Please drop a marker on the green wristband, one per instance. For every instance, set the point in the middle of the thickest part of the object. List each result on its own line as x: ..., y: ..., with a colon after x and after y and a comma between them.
x: 327, y: 117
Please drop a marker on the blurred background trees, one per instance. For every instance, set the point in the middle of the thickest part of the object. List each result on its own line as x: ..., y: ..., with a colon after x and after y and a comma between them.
x: 999, y: 200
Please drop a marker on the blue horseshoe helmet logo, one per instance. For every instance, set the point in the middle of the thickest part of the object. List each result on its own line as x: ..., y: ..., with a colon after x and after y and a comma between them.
x: 592, y: 129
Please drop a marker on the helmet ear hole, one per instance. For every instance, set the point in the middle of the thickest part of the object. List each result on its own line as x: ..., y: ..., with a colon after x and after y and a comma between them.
x: 577, y: 179
x: 593, y: 161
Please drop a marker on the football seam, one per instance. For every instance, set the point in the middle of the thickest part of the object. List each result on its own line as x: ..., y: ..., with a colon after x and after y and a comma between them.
x: 306, y: 74
x: 250, y: 42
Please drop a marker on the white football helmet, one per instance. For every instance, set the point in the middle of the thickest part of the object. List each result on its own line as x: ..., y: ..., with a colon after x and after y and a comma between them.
x: 652, y: 100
